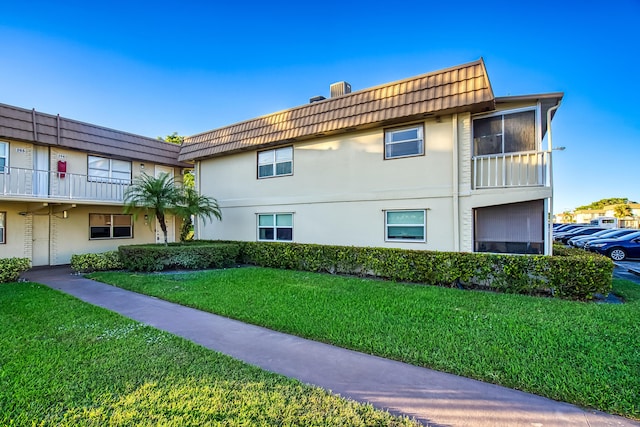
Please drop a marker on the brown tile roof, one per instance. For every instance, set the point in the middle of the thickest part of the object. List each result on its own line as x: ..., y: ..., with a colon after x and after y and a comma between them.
x: 46, y: 129
x: 462, y: 88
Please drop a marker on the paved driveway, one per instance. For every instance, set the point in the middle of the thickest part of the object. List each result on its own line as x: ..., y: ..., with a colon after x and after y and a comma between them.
x: 629, y: 270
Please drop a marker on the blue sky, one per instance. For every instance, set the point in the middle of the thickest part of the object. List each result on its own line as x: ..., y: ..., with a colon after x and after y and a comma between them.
x: 158, y: 67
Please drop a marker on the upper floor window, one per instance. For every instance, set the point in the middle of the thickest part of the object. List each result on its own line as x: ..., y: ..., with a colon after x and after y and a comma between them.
x: 275, y: 162
x: 3, y: 218
x: 406, y: 225
x: 103, y: 169
x: 4, y: 156
x: 504, y: 133
x: 278, y: 227
x: 110, y: 226
x: 404, y: 142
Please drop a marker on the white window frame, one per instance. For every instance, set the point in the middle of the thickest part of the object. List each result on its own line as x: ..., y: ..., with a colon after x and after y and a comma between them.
x: 503, y: 113
x: 263, y: 160
x: 110, y: 224
x: 275, y: 227
x: 388, y: 140
x: 3, y: 227
x: 110, y: 171
x: 4, y: 156
x: 396, y: 239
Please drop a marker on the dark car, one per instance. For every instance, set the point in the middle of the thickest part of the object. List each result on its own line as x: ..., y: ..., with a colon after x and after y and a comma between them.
x: 618, y: 249
x: 581, y: 231
x: 567, y: 227
x: 614, y: 233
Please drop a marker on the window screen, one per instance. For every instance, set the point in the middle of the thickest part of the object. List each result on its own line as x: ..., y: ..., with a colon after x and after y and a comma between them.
x: 514, y: 228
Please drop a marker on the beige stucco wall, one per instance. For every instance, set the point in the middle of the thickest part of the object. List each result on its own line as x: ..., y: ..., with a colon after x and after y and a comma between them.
x: 339, y: 189
x: 21, y: 155
x: 57, y: 238
x: 341, y: 186
x: 65, y: 236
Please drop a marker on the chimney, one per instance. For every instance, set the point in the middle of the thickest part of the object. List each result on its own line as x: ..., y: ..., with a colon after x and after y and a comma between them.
x: 339, y: 89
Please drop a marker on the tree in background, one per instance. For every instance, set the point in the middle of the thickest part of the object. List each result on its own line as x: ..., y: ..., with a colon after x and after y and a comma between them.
x: 604, y: 202
x: 621, y: 211
x: 174, y: 138
x: 567, y: 216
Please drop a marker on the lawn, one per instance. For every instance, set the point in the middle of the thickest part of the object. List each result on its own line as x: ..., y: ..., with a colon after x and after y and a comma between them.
x: 582, y: 353
x: 67, y: 363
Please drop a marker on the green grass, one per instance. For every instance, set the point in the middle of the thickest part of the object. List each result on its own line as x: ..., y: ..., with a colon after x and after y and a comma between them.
x: 583, y: 353
x: 67, y: 363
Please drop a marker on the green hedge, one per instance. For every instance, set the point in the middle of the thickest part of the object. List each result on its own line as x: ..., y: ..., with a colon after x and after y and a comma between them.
x: 572, y: 276
x: 10, y: 268
x: 196, y: 255
x: 86, y: 263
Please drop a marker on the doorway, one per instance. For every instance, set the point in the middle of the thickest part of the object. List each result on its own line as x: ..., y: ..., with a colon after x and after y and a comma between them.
x: 41, y: 171
x: 40, y: 240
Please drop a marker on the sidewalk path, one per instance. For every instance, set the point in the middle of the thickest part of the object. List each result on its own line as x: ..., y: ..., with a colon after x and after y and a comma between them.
x: 434, y: 398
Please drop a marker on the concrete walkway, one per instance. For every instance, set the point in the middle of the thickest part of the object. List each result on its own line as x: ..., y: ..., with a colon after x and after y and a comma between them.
x: 434, y: 398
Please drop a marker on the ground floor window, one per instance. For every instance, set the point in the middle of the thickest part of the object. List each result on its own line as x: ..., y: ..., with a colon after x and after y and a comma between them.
x: 406, y: 225
x: 3, y: 218
x: 516, y: 228
x: 110, y: 226
x: 275, y: 227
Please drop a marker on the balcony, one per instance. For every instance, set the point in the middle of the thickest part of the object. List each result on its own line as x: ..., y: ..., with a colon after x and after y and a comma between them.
x: 47, y: 185
x: 524, y: 169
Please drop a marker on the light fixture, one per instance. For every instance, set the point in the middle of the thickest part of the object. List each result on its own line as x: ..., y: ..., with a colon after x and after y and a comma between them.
x: 65, y: 214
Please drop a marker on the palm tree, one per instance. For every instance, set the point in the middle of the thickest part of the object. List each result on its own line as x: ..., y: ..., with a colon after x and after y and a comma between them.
x: 621, y: 211
x: 191, y: 204
x: 155, y: 196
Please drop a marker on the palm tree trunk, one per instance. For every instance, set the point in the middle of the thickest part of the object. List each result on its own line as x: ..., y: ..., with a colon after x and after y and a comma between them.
x: 163, y: 227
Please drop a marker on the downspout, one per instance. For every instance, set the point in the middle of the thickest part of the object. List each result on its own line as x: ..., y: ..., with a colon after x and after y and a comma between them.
x: 456, y: 193
x: 549, y: 150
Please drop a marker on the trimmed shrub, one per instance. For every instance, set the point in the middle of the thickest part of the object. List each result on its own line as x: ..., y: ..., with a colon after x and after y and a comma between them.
x: 86, y: 263
x: 575, y: 275
x: 10, y: 268
x: 193, y: 255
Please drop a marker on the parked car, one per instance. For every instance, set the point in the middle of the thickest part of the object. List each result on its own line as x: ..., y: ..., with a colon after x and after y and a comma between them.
x: 580, y: 241
x: 567, y: 227
x: 617, y: 249
x: 564, y: 230
x: 581, y: 231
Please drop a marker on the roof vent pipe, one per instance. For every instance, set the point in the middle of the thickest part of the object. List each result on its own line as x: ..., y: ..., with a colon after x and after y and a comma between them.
x: 339, y: 89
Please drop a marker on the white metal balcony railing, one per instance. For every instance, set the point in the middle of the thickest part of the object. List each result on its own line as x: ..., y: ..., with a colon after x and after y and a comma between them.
x: 510, y: 170
x: 56, y: 185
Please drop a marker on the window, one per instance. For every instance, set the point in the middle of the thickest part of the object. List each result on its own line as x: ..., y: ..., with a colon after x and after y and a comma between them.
x: 403, y: 142
x: 4, y: 156
x: 406, y: 226
x: 516, y: 228
x: 110, y: 226
x: 3, y: 218
x: 277, y: 227
x: 505, y: 133
x: 276, y: 162
x: 102, y: 169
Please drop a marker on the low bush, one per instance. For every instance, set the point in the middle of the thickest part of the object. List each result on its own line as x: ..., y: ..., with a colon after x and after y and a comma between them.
x: 196, y: 255
x: 571, y: 276
x: 86, y: 263
x: 10, y: 268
